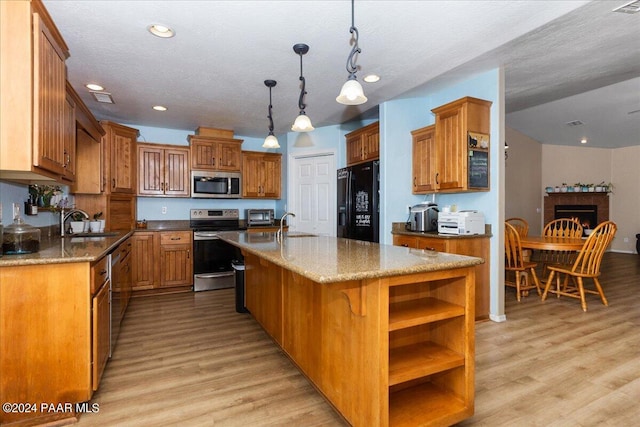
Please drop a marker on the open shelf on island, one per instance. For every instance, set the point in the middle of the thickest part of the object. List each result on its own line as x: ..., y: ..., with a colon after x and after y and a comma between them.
x: 406, y: 314
x: 426, y: 405
x: 420, y: 360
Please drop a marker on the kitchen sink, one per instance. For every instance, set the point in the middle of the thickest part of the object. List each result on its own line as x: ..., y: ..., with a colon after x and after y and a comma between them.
x: 103, y: 234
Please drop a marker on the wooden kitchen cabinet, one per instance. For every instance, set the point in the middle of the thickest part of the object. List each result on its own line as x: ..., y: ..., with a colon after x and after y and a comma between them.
x: 145, y: 269
x: 176, y: 263
x: 120, y: 155
x: 163, y: 170
x: 261, y: 175
x: 162, y: 260
x: 215, y: 153
x: 33, y: 103
x: 69, y: 139
x: 471, y: 246
x: 101, y: 319
x: 443, y: 164
x: 424, y: 160
x: 363, y: 144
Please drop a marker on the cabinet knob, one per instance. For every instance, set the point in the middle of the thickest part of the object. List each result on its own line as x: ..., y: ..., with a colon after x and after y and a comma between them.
x: 103, y: 272
x: 429, y: 249
x: 405, y: 245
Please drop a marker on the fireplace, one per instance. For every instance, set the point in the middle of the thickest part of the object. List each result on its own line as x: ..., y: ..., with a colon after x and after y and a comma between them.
x: 599, y: 202
x: 587, y: 215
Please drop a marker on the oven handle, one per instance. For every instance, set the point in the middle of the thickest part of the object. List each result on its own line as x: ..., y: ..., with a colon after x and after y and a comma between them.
x: 198, y: 237
x: 213, y: 275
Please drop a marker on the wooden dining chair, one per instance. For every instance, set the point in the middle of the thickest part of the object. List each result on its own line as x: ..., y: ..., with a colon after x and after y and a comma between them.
x: 563, y: 227
x: 521, y: 225
x: 514, y: 263
x: 586, y: 265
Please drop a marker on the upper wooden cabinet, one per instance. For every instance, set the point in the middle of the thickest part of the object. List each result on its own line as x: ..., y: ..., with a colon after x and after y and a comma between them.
x: 363, y: 144
x: 32, y: 105
x: 448, y: 161
x: 215, y: 153
x: 163, y: 170
x: 261, y: 174
x: 69, y: 139
x: 424, y: 160
x: 120, y: 154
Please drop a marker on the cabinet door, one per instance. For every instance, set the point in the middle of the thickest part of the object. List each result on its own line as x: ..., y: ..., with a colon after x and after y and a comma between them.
x: 121, y: 212
x: 176, y: 172
x: 406, y: 241
x: 49, y: 95
x: 450, y: 137
x: 143, y: 255
x: 271, y: 176
x: 125, y: 274
x: 424, y: 160
x: 228, y: 156
x: 251, y: 174
x: 69, y: 136
x: 203, y: 155
x: 354, y: 149
x: 89, y: 166
x: 101, y: 340
x: 150, y: 171
x: 371, y: 143
x: 123, y: 161
x: 176, y: 265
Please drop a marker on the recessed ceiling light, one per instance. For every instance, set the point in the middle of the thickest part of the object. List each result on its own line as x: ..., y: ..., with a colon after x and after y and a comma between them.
x: 371, y: 78
x: 159, y: 108
x: 93, y: 86
x: 160, y: 30
x: 583, y: 141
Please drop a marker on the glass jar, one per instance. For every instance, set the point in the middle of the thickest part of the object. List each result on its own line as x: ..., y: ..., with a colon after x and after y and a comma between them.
x: 20, y: 238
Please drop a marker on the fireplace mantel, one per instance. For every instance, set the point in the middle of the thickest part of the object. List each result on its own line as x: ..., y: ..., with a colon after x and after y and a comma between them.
x: 601, y: 200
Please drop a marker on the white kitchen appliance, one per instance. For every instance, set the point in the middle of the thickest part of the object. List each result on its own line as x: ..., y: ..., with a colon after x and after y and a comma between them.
x: 467, y: 222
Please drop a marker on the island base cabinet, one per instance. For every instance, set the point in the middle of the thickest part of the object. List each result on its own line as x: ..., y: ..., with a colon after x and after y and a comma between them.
x: 396, y: 351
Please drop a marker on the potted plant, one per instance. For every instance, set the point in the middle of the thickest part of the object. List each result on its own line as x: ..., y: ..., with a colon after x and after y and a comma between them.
x: 577, y: 187
x: 95, y: 225
x: 77, y: 223
x: 564, y: 187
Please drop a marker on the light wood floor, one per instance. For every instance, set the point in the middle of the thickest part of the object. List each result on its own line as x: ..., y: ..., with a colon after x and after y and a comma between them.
x: 191, y: 360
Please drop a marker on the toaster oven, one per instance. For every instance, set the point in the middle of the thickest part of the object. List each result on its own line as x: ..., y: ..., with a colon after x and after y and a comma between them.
x: 255, y: 217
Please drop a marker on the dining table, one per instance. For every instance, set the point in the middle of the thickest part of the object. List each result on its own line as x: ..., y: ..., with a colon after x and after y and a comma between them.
x: 552, y: 243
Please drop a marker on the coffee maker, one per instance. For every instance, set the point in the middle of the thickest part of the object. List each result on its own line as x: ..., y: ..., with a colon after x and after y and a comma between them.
x: 423, y: 217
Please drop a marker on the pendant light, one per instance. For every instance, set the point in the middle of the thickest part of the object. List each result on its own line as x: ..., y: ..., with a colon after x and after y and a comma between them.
x: 302, y: 122
x: 270, y: 141
x: 351, y: 92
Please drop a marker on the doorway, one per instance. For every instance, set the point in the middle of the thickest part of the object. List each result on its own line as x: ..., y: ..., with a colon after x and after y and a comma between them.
x: 312, y: 193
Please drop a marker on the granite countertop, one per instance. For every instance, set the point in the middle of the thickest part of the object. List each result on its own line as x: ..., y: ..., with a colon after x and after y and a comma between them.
x: 330, y: 259
x: 56, y: 250
x: 399, y: 228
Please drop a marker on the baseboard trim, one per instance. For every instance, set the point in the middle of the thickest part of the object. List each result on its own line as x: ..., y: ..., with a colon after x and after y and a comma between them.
x: 498, y: 318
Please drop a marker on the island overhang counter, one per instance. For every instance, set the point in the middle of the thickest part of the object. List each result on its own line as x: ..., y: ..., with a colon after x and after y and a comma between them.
x: 385, y: 333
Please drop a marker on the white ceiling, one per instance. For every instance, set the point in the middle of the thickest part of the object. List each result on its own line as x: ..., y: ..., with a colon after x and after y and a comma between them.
x: 563, y: 60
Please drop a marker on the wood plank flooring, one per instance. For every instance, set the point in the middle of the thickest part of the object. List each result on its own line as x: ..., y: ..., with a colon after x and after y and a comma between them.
x: 191, y: 360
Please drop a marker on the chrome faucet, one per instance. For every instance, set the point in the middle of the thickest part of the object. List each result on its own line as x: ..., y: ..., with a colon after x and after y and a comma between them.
x: 279, y: 232
x: 65, y: 216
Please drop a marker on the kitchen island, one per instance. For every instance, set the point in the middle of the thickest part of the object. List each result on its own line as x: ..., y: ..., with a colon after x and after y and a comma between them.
x: 385, y: 333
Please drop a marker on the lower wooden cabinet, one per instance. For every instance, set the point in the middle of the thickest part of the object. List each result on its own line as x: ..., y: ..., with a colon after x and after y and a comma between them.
x: 163, y: 259
x: 471, y: 246
x: 101, y: 317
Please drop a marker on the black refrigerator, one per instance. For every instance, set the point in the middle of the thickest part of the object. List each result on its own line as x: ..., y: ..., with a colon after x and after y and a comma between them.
x: 359, y: 202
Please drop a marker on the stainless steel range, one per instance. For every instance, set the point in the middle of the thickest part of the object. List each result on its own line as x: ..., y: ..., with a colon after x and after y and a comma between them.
x: 212, y: 256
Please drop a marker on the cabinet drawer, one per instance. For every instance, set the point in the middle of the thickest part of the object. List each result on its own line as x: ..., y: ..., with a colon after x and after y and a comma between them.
x: 406, y: 241
x: 439, y: 245
x: 175, y: 237
x: 99, y: 274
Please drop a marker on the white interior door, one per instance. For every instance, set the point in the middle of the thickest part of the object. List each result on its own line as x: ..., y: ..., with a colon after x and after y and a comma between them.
x: 313, y: 194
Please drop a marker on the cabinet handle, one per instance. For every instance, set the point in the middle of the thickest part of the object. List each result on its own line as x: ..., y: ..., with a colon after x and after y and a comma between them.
x: 175, y: 238
x: 188, y: 254
x: 414, y: 180
x: 213, y: 160
x: 103, y: 272
x: 405, y: 245
x: 437, y: 176
x: 114, y: 183
x: 427, y: 248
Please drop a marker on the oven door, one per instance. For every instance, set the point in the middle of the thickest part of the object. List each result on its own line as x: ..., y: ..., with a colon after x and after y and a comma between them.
x: 212, y: 262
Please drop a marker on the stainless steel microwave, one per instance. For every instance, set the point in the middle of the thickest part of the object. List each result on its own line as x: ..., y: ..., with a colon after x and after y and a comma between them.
x: 215, y: 185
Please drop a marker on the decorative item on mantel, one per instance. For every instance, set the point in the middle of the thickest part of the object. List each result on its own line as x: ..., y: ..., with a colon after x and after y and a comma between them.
x: 581, y: 188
